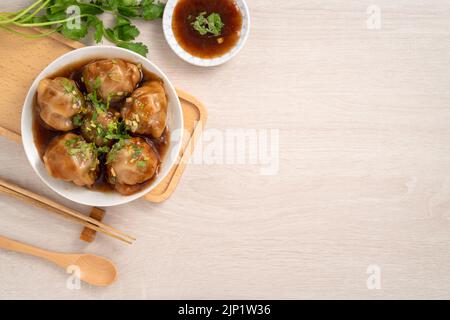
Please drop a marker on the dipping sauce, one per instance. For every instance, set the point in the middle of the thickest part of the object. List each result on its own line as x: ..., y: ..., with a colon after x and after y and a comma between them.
x: 209, y: 45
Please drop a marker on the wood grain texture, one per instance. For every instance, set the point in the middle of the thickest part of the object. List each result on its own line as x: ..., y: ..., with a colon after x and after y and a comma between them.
x: 364, y: 120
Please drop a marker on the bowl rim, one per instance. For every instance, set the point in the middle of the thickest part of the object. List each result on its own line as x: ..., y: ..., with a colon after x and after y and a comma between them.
x: 197, y: 61
x: 122, y: 199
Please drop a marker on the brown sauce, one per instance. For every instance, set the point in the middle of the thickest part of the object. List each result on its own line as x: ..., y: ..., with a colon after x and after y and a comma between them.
x: 209, y: 45
x: 43, y: 135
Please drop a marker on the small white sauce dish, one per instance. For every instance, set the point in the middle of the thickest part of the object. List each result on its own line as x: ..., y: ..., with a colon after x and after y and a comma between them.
x: 203, y: 62
x: 83, y: 195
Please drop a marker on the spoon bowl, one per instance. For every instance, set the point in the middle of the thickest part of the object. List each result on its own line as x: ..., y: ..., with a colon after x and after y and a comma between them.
x: 94, y: 270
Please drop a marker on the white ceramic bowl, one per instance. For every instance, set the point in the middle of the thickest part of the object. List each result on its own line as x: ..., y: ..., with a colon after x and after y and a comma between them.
x: 80, y: 194
x: 179, y: 51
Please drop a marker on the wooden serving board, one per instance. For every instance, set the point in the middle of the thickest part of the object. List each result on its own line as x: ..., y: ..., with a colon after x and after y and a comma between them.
x: 22, y: 59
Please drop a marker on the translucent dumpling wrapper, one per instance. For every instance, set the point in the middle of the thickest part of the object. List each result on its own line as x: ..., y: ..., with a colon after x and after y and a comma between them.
x: 59, y: 100
x: 131, y: 162
x: 69, y: 157
x: 145, y: 111
x: 112, y: 79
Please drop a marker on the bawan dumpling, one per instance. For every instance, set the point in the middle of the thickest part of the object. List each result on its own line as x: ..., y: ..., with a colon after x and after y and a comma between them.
x: 59, y: 100
x: 69, y: 157
x: 145, y: 111
x: 112, y: 79
x: 130, y: 162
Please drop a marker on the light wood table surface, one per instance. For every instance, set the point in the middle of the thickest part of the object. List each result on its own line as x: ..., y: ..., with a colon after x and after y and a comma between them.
x: 364, y: 174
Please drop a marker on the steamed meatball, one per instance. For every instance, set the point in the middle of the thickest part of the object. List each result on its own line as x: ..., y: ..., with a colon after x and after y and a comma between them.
x: 99, y: 127
x: 145, y: 112
x: 112, y: 79
x: 69, y: 157
x: 130, y: 162
x: 59, y: 100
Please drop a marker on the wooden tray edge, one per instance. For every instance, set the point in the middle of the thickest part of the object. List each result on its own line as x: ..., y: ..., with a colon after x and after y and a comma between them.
x: 10, y: 135
x: 187, y: 150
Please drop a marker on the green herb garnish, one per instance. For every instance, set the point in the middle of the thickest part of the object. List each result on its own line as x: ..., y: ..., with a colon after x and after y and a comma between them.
x: 99, y: 107
x: 71, y: 142
x: 68, y: 86
x: 212, y: 24
x: 117, y: 131
x: 114, y: 150
x: 137, y: 151
x: 77, y: 146
x: 77, y: 120
x: 141, y: 163
x: 52, y: 14
x: 104, y: 149
x: 97, y: 84
x: 71, y: 89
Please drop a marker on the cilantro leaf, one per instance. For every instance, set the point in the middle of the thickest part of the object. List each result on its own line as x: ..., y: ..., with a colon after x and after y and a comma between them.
x: 215, y: 24
x: 212, y: 24
x: 60, y: 15
x: 141, y: 163
x: 128, y: 32
x: 122, y: 31
x: 98, y: 34
x: 60, y: 5
x: 129, y: 11
x: 137, y: 47
x: 152, y: 11
x: 86, y: 8
x: 122, y: 21
x: 109, y: 5
x: 74, y: 32
x: 111, y: 157
x: 110, y: 35
x: 104, y: 149
x: 53, y: 14
x: 77, y: 120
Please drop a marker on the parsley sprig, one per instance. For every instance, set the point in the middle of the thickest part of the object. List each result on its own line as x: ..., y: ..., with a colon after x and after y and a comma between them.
x: 71, y: 90
x: 77, y: 146
x: 117, y: 131
x: 52, y: 14
x: 112, y: 155
x: 212, y: 24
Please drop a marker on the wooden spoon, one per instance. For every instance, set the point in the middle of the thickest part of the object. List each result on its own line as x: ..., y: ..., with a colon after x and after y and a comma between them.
x: 95, y: 270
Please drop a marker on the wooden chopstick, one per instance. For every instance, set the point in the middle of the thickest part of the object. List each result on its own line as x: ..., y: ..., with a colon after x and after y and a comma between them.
x: 61, y: 207
x: 53, y: 206
x: 43, y: 205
